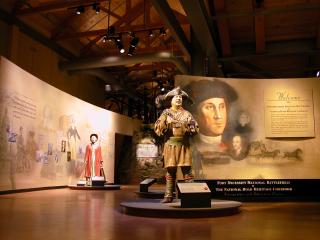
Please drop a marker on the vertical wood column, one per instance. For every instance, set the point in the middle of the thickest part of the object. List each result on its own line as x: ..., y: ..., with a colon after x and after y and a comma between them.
x: 223, y: 28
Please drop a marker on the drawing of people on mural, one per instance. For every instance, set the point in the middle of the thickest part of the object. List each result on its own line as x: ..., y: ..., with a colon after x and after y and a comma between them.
x: 73, y: 137
x: 47, y: 118
x: 31, y: 151
x: 4, y: 128
x: 20, y: 157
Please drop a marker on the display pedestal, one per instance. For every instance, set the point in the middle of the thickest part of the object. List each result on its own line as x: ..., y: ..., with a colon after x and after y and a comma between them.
x: 154, y: 208
x: 194, y: 195
x: 145, y: 192
x: 145, y: 184
x: 98, y: 181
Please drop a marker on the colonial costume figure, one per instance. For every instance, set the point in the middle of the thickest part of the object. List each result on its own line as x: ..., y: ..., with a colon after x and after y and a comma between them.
x: 177, y: 125
x: 93, y: 158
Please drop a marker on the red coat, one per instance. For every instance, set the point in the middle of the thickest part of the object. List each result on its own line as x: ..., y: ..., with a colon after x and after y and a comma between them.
x: 88, y: 161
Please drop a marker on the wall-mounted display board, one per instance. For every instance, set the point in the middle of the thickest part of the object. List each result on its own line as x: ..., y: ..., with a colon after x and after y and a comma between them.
x: 254, y: 129
x: 44, y: 132
x: 288, y: 112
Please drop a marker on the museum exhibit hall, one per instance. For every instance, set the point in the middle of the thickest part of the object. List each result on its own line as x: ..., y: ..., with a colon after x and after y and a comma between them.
x: 160, y: 119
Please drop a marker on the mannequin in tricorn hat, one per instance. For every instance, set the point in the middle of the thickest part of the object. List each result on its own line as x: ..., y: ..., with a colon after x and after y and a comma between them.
x: 177, y: 125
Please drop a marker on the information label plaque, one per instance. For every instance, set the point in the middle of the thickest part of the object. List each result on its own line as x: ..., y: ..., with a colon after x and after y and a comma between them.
x: 288, y: 112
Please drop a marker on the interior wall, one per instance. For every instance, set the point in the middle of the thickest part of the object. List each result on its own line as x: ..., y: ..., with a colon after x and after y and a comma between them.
x: 44, y: 132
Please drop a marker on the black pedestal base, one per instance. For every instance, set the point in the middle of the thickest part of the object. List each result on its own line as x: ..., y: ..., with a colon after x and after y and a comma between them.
x: 154, y: 208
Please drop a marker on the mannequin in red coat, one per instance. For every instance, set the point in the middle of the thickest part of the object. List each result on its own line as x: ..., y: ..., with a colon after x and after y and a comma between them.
x: 93, y: 158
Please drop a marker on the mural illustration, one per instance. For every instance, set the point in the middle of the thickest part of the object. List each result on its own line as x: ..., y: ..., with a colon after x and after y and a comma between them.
x: 231, y: 136
x: 41, y: 129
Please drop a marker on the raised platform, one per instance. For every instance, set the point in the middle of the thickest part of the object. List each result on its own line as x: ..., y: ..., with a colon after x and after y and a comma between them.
x: 105, y: 187
x: 154, y: 208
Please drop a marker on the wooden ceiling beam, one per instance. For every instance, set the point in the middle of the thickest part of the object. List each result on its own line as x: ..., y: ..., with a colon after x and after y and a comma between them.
x: 154, y: 66
x: 17, y: 6
x: 288, y: 9
x: 172, y: 23
x: 259, y: 27
x: 223, y: 28
x: 111, y: 13
x: 318, y: 33
x: 61, y: 26
x: 277, y: 49
x: 102, y: 32
x: 203, y: 32
x: 55, y: 6
x: 254, y: 68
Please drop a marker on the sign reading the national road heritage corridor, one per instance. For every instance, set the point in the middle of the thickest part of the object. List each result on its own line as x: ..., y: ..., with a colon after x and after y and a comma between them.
x: 288, y: 112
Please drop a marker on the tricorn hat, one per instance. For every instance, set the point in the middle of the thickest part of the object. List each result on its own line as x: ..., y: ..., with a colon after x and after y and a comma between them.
x: 176, y: 91
x: 205, y: 89
x: 165, y: 100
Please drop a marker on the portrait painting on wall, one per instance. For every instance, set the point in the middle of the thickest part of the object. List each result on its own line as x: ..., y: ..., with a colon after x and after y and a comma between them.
x: 222, y: 138
x: 232, y: 142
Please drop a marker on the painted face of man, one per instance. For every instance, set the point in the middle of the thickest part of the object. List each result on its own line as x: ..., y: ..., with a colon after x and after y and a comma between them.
x: 236, y: 142
x: 243, y: 119
x: 176, y: 101
x: 212, y: 116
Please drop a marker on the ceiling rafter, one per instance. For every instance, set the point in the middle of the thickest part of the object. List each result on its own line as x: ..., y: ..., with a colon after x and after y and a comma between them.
x: 17, y: 6
x: 172, y: 23
x: 199, y: 21
x: 223, y: 28
x: 259, y: 27
x: 318, y: 33
x: 55, y: 6
x: 102, y: 32
x: 61, y: 26
x: 288, y: 9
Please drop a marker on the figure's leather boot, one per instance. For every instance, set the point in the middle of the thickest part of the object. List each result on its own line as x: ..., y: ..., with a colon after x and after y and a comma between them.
x: 167, y: 200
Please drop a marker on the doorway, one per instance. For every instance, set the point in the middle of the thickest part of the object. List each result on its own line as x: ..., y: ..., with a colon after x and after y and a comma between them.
x: 123, y: 159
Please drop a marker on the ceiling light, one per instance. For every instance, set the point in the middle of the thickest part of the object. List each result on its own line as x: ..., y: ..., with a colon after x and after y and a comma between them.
x: 134, y: 42
x: 104, y: 39
x: 108, y: 88
x: 318, y: 73
x: 150, y: 33
x: 96, y: 7
x: 119, y: 45
x: 162, y: 31
x: 80, y: 10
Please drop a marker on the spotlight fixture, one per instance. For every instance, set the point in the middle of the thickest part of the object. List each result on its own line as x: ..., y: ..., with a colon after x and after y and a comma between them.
x: 80, y: 10
x: 150, y: 33
x: 162, y: 31
x: 133, y: 44
x: 111, y: 31
x: 104, y: 39
x: 119, y: 44
x: 161, y: 87
x: 318, y: 74
x: 108, y: 88
x: 96, y: 7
